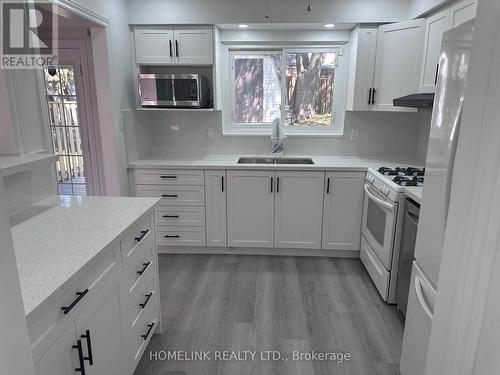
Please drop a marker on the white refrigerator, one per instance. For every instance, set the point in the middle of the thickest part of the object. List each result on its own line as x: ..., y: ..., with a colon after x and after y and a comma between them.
x: 443, y: 139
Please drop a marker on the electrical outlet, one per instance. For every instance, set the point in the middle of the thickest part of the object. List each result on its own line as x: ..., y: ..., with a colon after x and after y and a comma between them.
x: 354, y: 134
x: 211, y: 133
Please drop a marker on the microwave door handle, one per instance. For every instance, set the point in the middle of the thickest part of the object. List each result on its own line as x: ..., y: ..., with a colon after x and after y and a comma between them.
x: 384, y: 204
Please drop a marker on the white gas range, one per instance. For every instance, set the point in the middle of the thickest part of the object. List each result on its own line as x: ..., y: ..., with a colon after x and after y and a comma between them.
x: 382, y: 223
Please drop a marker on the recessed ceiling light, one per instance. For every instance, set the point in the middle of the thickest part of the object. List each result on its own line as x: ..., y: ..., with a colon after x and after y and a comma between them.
x: 329, y: 25
x: 243, y: 26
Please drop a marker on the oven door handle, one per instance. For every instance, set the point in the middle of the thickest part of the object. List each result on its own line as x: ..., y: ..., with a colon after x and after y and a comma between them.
x: 384, y: 204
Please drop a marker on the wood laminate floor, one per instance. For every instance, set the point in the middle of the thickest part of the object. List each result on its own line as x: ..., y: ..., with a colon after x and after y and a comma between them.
x: 258, y: 303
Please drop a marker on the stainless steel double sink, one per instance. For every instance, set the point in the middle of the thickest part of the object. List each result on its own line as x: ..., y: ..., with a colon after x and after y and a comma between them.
x: 271, y: 160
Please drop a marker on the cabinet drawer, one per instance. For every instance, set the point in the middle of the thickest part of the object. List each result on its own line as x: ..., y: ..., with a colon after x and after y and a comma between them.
x: 45, y: 330
x: 138, y: 242
x: 179, y: 216
x: 181, y: 236
x: 137, y: 273
x: 136, y: 342
x: 173, y: 195
x: 139, y: 300
x: 168, y: 177
x: 379, y: 275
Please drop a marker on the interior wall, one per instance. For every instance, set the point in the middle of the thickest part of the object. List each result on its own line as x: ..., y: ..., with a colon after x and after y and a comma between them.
x: 424, y: 128
x: 186, y: 134
x: 234, y: 11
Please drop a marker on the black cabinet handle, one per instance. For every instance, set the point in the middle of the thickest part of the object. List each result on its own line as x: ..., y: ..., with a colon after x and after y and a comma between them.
x: 90, y: 357
x: 144, y: 268
x: 170, y: 196
x: 171, y: 216
x: 172, y: 236
x: 373, y: 96
x: 277, y: 184
x: 272, y: 183
x: 143, y: 234
x: 328, y: 186
x: 369, y: 96
x: 79, y: 296
x: 169, y: 177
x: 148, y: 297
x: 222, y: 183
x: 78, y: 346
x: 150, y: 327
x: 170, y: 47
x: 436, y: 78
x: 177, y: 48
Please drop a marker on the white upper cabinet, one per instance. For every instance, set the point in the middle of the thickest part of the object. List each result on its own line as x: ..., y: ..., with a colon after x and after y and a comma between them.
x: 215, y: 200
x: 154, y: 45
x: 363, y: 47
x: 193, y: 46
x: 298, y: 209
x: 173, y: 45
x: 384, y: 64
x: 342, y: 211
x: 462, y: 12
x: 398, y: 63
x: 250, y: 208
x: 437, y: 24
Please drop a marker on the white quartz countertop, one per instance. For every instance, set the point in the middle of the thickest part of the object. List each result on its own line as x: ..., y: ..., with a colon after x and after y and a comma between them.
x: 414, y: 192
x: 57, y: 237
x: 333, y: 163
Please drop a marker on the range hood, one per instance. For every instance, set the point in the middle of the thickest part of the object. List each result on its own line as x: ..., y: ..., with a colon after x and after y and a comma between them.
x: 415, y: 101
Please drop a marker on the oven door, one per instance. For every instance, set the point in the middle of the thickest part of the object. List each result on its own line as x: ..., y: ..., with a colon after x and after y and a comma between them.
x: 156, y: 90
x: 379, y: 224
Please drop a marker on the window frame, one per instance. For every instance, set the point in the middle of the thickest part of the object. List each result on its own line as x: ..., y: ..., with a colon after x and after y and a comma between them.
x: 229, y: 127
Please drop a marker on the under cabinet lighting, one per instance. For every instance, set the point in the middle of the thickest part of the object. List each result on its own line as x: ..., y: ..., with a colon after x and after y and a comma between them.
x: 243, y: 26
x: 329, y: 25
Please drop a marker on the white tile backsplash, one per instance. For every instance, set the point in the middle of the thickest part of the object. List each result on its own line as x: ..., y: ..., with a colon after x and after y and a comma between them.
x: 178, y: 133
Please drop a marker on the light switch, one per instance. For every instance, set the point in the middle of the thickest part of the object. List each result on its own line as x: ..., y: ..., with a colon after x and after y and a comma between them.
x: 211, y: 133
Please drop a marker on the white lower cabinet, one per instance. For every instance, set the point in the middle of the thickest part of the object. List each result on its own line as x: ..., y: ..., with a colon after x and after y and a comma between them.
x: 298, y: 209
x: 342, y: 211
x: 97, y: 333
x: 215, y: 198
x: 250, y: 208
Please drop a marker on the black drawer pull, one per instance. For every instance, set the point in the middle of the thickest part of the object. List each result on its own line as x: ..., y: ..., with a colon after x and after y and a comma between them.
x: 79, y: 296
x: 171, y: 177
x: 90, y: 357
x: 172, y: 236
x: 146, y: 265
x: 150, y: 327
x: 148, y: 297
x: 170, y: 196
x: 143, y: 234
x: 78, y: 346
x: 328, y: 186
x: 171, y: 216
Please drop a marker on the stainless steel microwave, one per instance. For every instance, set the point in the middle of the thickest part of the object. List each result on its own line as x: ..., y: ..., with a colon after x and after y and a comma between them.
x: 174, y: 90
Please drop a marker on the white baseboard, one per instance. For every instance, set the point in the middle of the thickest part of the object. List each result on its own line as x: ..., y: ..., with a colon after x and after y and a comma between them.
x: 202, y: 250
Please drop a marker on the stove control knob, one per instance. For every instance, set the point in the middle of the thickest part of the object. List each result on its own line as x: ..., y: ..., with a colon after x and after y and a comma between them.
x: 385, y: 190
x: 371, y: 179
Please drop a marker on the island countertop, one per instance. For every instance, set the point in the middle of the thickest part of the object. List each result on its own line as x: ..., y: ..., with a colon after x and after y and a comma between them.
x: 56, y: 238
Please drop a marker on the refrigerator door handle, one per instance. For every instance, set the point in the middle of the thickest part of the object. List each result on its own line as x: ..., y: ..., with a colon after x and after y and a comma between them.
x: 421, y: 298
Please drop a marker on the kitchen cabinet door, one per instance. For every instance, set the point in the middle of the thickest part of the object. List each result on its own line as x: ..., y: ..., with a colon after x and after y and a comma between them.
x: 100, y: 325
x: 62, y: 358
x: 154, y: 45
x: 363, y: 46
x: 436, y: 26
x: 250, y: 208
x: 342, y: 211
x: 193, y: 46
x: 298, y: 209
x: 462, y: 12
x: 398, y: 63
x: 215, y: 200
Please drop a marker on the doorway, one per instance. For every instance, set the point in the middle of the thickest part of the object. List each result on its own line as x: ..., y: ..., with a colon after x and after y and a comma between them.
x: 73, y: 129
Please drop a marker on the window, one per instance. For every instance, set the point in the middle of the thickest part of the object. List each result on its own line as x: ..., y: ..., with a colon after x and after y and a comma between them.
x: 301, y: 86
